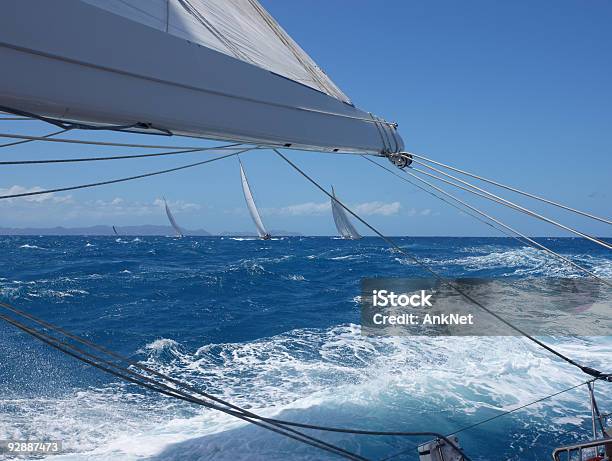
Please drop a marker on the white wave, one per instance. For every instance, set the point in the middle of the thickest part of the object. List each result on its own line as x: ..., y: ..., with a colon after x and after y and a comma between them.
x: 35, y: 247
x: 525, y: 261
x: 346, y: 258
x: 56, y: 293
x: 161, y: 344
x: 310, y: 370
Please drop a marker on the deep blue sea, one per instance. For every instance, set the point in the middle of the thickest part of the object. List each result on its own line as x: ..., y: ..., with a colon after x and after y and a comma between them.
x: 274, y: 326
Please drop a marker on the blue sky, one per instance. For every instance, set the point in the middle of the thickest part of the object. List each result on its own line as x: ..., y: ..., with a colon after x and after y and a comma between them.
x: 517, y: 91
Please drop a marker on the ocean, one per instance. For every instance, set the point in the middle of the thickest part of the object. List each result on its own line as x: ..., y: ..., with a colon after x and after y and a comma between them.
x: 274, y: 326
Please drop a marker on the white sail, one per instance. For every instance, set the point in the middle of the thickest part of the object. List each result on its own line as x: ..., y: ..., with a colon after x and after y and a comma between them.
x: 175, y: 226
x: 218, y: 69
x: 250, y: 201
x: 242, y: 29
x: 343, y: 224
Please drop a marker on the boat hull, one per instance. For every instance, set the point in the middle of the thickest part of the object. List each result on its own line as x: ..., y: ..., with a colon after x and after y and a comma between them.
x: 70, y: 60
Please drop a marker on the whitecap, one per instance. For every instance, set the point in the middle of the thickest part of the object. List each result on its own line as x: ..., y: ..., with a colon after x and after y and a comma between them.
x: 36, y: 247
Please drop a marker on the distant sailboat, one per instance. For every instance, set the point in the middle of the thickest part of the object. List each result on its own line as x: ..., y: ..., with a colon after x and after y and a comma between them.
x: 343, y: 224
x: 115, y: 231
x: 175, y: 226
x: 248, y: 196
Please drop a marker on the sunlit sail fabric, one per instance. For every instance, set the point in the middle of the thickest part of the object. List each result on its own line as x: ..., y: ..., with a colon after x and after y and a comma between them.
x: 242, y: 29
x: 175, y: 226
x: 250, y: 201
x: 343, y: 224
x: 216, y: 69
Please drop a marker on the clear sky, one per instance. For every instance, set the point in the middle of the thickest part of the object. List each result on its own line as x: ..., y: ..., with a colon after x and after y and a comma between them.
x: 517, y: 91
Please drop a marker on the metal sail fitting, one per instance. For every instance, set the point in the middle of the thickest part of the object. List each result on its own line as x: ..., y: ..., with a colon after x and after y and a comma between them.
x: 400, y: 159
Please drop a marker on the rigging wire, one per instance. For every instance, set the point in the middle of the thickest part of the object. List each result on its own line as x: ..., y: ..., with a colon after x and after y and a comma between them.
x: 529, y: 241
x: 26, y: 139
x: 29, y: 138
x: 588, y: 370
x: 91, y: 143
x: 466, y: 211
x: 532, y: 241
x: 68, y: 125
x: 191, y: 388
x: 490, y: 196
x: 129, y: 178
x: 513, y: 189
x: 235, y: 146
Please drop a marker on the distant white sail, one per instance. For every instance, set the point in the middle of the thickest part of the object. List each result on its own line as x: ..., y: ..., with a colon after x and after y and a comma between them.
x: 248, y: 196
x: 343, y: 224
x: 175, y: 226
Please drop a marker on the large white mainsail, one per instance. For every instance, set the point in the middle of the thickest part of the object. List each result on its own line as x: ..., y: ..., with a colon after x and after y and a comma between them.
x: 242, y: 29
x: 219, y: 69
x: 343, y: 224
x: 250, y: 201
x: 175, y: 226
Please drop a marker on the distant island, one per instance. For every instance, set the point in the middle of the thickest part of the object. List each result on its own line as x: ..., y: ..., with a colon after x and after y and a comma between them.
x: 142, y: 230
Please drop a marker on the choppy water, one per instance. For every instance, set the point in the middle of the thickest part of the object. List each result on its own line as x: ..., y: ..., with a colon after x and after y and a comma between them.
x: 273, y: 326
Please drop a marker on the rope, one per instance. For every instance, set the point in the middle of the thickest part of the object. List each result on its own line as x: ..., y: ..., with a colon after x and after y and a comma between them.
x: 467, y: 296
x: 114, y: 181
x: 532, y: 241
x: 83, y: 126
x: 30, y: 138
x: 143, y: 146
x: 119, y: 157
x: 496, y: 198
x: 445, y: 201
x: 91, y: 143
x: 518, y: 191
